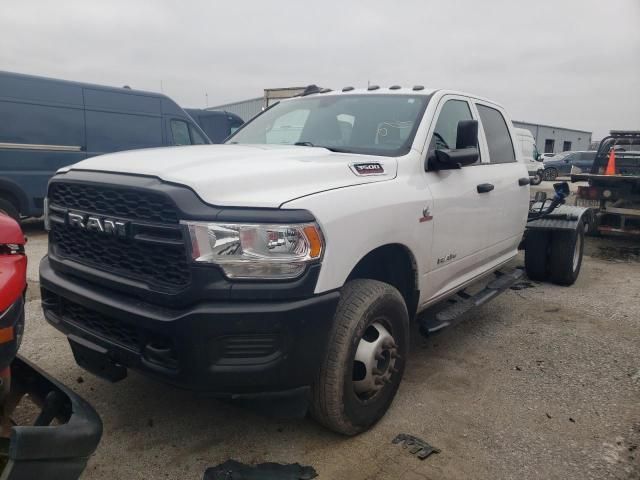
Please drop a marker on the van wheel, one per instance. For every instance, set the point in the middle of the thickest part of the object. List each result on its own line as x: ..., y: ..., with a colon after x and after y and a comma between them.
x: 550, y: 174
x: 365, y: 358
x: 8, y: 208
x: 536, y: 253
x: 536, y: 179
x: 567, y: 248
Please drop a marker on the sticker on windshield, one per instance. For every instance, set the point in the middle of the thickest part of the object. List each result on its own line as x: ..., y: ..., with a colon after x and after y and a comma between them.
x: 369, y: 168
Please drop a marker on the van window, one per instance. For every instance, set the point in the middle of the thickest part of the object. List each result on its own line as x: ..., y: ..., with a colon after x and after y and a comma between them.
x: 196, y: 138
x: 41, y: 124
x: 498, y: 138
x: 112, y: 132
x: 234, y: 124
x: 180, y: 132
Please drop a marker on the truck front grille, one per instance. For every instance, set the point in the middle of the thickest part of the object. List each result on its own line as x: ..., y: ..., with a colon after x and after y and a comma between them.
x: 153, y: 251
x: 113, y: 201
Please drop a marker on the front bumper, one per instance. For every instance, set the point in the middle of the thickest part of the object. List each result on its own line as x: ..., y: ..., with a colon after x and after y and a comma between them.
x: 11, y: 330
x: 224, y: 347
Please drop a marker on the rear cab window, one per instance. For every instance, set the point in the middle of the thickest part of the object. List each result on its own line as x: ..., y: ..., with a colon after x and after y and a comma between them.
x: 496, y: 132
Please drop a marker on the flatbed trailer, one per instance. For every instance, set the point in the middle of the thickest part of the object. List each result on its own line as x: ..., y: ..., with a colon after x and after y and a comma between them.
x: 613, y: 196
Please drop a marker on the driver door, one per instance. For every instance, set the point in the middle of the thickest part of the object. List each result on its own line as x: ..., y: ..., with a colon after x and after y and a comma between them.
x: 460, y: 209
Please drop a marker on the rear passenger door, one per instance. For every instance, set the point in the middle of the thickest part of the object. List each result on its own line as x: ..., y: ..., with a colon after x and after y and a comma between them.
x: 510, y: 194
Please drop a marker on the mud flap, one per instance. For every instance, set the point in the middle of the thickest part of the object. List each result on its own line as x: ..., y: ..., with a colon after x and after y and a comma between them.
x: 95, y: 359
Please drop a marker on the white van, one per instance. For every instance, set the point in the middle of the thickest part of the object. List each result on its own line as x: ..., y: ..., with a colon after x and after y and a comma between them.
x: 530, y: 153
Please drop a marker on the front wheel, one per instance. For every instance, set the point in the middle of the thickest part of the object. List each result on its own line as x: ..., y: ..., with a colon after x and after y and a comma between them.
x: 365, y: 358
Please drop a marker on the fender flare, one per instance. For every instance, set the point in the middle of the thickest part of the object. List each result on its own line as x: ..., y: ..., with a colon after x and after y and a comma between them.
x: 565, y: 217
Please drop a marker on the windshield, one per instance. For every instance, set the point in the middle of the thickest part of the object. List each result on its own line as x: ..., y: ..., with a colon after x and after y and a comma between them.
x: 367, y: 124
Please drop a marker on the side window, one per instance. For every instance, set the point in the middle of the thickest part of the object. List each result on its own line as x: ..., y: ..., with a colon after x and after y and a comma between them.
x: 497, y: 133
x: 180, y: 132
x: 446, y: 130
x: 112, y: 132
x: 196, y: 138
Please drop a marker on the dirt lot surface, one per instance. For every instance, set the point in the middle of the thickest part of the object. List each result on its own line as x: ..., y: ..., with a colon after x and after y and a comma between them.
x: 542, y: 383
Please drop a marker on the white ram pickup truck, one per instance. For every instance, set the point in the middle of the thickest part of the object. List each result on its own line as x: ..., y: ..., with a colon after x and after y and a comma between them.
x: 296, y: 255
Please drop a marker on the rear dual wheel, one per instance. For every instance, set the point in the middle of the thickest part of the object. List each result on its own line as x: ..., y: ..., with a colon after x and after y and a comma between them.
x: 365, y: 359
x: 555, y: 255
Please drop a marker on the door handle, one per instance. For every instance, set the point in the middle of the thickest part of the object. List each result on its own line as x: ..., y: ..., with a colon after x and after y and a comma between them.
x: 524, y: 181
x: 485, y: 187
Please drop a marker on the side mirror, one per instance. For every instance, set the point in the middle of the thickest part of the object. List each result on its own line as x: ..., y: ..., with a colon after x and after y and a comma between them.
x: 465, y: 153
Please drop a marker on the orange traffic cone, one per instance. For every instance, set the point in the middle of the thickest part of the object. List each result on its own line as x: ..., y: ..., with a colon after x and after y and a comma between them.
x: 611, y: 164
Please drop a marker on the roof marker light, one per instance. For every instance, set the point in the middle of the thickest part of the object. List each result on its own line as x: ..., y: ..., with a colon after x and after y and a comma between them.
x: 418, y: 87
x: 347, y: 89
x: 395, y: 87
x: 373, y: 87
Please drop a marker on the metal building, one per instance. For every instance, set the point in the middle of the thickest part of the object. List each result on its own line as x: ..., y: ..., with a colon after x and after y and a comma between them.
x: 247, y: 109
x: 551, y: 139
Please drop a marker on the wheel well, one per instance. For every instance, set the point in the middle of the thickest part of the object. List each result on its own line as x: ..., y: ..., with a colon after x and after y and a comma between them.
x: 10, y: 197
x: 393, y: 264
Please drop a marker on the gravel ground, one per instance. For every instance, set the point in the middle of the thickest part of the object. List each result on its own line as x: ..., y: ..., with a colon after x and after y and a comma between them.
x: 543, y: 382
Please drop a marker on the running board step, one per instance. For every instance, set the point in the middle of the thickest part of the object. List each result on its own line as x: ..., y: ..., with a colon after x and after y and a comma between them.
x: 463, y: 302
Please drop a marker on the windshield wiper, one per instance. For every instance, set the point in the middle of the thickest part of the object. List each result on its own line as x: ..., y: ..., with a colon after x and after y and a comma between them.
x: 332, y: 149
x: 337, y: 149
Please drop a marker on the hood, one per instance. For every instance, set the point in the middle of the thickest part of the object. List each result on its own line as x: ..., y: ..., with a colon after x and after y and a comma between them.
x: 247, y: 175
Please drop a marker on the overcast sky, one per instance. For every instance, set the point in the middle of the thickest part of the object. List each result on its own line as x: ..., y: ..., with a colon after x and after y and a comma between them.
x: 573, y: 63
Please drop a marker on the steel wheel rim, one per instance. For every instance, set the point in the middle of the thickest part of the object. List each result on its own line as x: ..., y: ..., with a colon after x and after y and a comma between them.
x: 374, y: 362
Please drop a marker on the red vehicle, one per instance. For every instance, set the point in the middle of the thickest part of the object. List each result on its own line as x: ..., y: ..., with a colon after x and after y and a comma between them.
x: 40, y: 450
x: 13, y: 284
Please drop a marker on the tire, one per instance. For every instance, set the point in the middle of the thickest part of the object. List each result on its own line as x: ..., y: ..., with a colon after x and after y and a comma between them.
x: 363, y: 307
x: 536, y: 179
x: 567, y: 248
x: 9, y: 208
x: 536, y: 255
x: 550, y: 174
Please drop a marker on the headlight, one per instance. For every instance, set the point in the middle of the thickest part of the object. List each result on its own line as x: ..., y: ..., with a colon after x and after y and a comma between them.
x: 256, y: 251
